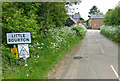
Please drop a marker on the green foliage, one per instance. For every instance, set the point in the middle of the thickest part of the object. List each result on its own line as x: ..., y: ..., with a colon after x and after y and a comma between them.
x: 0, y: 20
x: 112, y: 17
x: 16, y: 19
x: 111, y: 32
x: 32, y: 17
x: 101, y: 13
x: 112, y: 22
x: 52, y: 14
x: 45, y: 53
x: 79, y: 30
x: 7, y: 58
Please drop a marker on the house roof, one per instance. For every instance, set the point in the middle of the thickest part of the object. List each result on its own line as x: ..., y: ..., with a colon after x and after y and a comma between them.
x: 97, y: 16
x: 73, y: 19
x: 76, y: 16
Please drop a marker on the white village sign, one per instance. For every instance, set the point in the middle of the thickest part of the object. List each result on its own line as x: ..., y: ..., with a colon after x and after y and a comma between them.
x: 18, y: 38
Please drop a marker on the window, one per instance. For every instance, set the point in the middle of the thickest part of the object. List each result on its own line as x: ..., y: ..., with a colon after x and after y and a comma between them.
x: 95, y: 25
x: 80, y: 23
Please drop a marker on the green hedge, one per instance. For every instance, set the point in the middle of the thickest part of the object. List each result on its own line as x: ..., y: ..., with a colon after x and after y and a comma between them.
x: 112, y: 17
x: 111, y: 32
x: 44, y: 53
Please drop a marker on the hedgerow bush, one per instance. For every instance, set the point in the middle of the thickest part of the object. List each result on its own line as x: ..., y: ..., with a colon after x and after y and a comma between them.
x: 34, y: 17
x: 111, y: 29
x: 44, y: 53
x: 111, y: 32
x: 112, y: 17
x: 79, y: 30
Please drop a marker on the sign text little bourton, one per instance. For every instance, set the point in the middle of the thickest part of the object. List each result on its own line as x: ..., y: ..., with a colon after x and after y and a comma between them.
x: 18, y: 38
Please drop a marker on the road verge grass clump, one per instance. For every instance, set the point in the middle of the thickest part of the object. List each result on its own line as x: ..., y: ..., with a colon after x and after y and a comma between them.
x: 45, y: 52
x: 111, y: 32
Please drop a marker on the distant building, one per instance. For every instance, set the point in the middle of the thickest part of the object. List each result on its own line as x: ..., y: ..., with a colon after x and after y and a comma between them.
x: 78, y: 20
x: 96, y: 21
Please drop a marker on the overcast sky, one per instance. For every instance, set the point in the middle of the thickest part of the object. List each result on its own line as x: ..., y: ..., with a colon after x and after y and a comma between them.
x: 85, y: 6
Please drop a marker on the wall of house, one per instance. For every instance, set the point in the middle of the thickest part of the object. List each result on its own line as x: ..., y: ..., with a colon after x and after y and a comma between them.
x: 96, y: 23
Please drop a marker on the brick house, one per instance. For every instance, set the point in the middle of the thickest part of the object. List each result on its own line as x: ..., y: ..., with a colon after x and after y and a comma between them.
x: 96, y: 21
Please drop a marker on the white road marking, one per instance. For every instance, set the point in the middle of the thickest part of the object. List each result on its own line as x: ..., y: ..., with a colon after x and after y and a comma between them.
x: 100, y: 46
x: 115, y: 72
x: 101, y: 49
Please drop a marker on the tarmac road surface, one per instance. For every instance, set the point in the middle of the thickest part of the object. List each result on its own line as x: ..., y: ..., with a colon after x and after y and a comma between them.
x: 97, y: 58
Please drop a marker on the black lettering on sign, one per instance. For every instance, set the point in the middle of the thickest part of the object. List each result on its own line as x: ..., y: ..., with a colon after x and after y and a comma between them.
x: 18, y: 40
x: 15, y: 40
x: 12, y: 40
x: 9, y: 40
x: 21, y: 40
x: 18, y: 35
x: 23, y: 35
x: 24, y: 39
x: 27, y: 39
x: 15, y: 35
x: 12, y: 35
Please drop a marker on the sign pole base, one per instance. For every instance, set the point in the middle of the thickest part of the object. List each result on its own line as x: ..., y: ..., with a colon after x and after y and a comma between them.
x: 25, y: 59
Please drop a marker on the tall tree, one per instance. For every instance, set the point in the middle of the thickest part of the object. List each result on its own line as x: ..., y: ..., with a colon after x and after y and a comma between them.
x: 72, y: 6
x: 94, y: 10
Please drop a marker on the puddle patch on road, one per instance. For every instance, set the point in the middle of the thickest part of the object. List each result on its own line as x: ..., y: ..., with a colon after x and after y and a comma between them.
x: 78, y: 57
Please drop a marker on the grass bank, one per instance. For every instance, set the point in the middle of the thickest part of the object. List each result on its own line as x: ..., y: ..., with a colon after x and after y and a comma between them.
x: 112, y: 32
x: 44, y: 53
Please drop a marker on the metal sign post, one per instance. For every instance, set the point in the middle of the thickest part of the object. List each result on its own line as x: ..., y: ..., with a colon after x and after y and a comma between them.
x: 25, y: 59
x: 14, y: 46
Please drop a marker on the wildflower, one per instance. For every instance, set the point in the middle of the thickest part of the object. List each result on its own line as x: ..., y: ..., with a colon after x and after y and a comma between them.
x: 27, y: 74
x: 38, y: 47
x: 42, y: 43
x: 33, y: 36
x: 41, y: 47
x: 38, y: 56
x: 38, y: 43
x: 25, y: 64
x: 30, y: 45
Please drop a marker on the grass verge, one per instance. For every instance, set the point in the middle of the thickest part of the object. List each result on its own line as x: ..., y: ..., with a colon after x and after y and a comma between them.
x: 45, y: 53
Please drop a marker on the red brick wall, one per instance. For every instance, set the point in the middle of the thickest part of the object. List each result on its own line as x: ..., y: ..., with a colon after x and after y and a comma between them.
x: 96, y: 23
